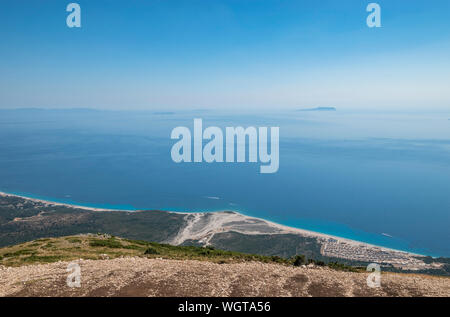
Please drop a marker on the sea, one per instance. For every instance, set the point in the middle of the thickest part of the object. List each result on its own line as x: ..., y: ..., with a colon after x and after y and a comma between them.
x: 376, y: 177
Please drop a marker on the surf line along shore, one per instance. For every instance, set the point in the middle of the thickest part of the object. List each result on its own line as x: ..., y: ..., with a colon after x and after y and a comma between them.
x: 235, y: 137
x: 69, y: 205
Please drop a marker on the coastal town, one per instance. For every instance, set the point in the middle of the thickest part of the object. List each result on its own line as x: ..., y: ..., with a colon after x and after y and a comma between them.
x: 371, y: 253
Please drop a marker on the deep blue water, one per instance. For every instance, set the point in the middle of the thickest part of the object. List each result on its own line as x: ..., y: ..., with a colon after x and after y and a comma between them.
x: 373, y: 177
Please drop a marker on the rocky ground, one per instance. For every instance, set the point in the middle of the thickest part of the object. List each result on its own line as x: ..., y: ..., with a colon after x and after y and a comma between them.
x: 137, y: 276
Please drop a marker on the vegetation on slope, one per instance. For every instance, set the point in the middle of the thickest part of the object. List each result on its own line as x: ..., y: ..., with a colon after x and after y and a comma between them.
x: 24, y: 220
x: 103, y: 246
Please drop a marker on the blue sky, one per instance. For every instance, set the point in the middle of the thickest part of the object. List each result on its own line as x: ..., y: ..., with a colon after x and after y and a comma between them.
x: 232, y: 54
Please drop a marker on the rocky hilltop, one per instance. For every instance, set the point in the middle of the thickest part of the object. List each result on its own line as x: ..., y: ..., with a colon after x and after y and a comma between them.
x: 112, y: 266
x: 184, y: 278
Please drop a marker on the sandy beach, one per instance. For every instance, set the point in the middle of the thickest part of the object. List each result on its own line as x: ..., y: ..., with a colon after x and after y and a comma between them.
x: 52, y: 203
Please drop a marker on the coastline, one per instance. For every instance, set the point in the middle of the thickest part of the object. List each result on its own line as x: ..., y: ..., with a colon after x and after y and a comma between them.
x: 283, y: 229
x: 69, y: 205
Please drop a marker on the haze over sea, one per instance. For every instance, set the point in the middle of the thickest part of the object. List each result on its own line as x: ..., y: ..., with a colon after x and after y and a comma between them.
x: 381, y: 178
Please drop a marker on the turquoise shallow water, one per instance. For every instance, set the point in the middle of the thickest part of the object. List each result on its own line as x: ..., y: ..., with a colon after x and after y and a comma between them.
x: 377, y: 178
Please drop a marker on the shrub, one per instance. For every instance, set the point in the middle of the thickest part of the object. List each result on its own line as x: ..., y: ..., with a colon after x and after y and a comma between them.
x: 276, y: 258
x: 151, y: 250
x: 110, y: 243
x: 320, y: 263
x: 18, y: 253
x: 299, y: 260
x: 43, y: 258
x: 74, y: 240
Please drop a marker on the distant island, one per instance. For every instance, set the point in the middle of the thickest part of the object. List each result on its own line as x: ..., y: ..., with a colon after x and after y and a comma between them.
x: 163, y: 112
x: 318, y: 109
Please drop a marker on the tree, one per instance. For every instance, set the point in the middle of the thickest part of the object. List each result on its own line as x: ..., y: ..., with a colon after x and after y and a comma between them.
x: 299, y: 260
